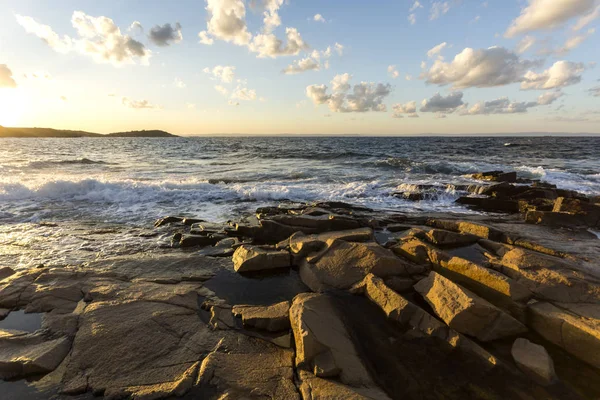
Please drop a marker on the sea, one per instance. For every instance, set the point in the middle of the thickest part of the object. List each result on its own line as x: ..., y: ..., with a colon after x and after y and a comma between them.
x: 72, y: 200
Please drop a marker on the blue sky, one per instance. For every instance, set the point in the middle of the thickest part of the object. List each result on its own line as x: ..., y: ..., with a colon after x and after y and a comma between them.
x: 531, y: 67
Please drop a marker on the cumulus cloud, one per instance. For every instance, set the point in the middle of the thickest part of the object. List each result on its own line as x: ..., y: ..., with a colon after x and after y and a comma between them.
x: 393, y: 72
x: 490, y: 67
x: 409, y: 108
x: 268, y: 45
x: 243, y: 93
x: 415, y: 6
x: 344, y: 98
x: 561, y: 74
x: 504, y: 106
x: 271, y: 14
x: 224, y: 73
x: 438, y: 8
x: 549, y: 14
x: 442, y: 104
x: 99, y: 38
x: 315, y: 61
x: 6, y: 78
x: 166, y: 35
x: 205, y: 38
x: 412, y: 18
x: 227, y: 21
x: 339, y: 49
x: 221, y: 89
x: 319, y: 18
x: 525, y: 44
x: 436, y: 50
x: 138, y: 104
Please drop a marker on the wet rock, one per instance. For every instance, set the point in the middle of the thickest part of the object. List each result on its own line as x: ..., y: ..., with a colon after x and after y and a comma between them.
x: 271, y: 318
x: 217, y: 251
x: 320, y: 223
x: 490, y: 204
x: 191, y: 221
x: 556, y: 219
x: 318, y: 328
x: 342, y: 264
x: 167, y: 220
x: 252, y: 258
x: 302, y: 245
x: 206, y: 228
x: 196, y: 240
x: 5, y: 272
x: 534, y: 360
x: 590, y: 210
x: 23, y: 354
x: 4, y: 313
x: 466, y: 312
x: 578, y: 335
x: 496, y: 176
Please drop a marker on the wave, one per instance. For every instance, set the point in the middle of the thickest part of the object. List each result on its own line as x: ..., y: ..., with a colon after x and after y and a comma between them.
x: 78, y: 161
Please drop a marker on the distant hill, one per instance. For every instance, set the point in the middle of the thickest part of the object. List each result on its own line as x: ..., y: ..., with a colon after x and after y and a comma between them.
x: 60, y: 133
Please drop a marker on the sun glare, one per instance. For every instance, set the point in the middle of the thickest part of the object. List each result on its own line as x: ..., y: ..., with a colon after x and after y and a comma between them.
x: 12, y: 107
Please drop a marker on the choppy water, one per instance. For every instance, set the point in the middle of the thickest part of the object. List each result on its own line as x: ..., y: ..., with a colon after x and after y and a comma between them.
x: 124, y: 184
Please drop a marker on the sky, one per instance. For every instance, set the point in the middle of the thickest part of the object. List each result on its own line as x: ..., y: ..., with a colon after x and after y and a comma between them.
x: 378, y: 67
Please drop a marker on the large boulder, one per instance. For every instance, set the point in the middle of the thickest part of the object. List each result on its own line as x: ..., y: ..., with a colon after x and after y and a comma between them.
x: 466, y: 312
x: 318, y: 328
x: 442, y: 237
x: 534, y: 360
x: 578, y: 335
x: 315, y: 388
x: 302, y: 245
x: 342, y: 264
x: 251, y: 258
x: 272, y: 318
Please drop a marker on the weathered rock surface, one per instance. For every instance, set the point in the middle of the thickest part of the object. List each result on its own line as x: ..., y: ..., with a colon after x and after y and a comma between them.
x: 5, y: 272
x: 272, y: 318
x: 342, y: 264
x: 578, y: 335
x: 251, y: 258
x: 534, y: 360
x: 442, y: 237
x: 302, y: 245
x: 315, y: 388
x: 466, y: 312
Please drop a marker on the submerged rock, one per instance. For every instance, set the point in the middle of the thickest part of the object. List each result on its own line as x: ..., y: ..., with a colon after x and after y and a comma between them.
x: 534, y: 360
x: 466, y: 312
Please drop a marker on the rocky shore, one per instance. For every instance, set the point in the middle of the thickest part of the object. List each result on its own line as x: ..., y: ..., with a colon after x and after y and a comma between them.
x: 328, y: 301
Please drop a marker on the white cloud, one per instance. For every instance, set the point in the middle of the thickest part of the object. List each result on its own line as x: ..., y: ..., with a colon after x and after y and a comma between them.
x: 525, y: 44
x: 408, y: 77
x: 99, y: 38
x: 436, y: 50
x: 561, y: 74
x: 136, y: 28
x: 224, y: 73
x: 268, y: 45
x: 490, y: 67
x: 339, y: 49
x: 587, y: 19
x: 227, y: 21
x: 548, y: 14
x: 408, y: 108
x: 393, y: 72
x: 179, y: 83
x: 504, y: 106
x: 6, y: 78
x: 476, y: 19
x: 319, y: 18
x: 549, y: 98
x: 138, y: 104
x: 412, y: 18
x: 573, y: 42
x: 221, y: 89
x: 303, y: 65
x: 438, y: 8
x: 595, y: 91
x: 165, y: 35
x: 363, y: 97
x: 415, y: 5
x: 442, y: 104
x: 233, y: 103
x: 271, y: 15
x: 205, y: 38
x: 243, y: 93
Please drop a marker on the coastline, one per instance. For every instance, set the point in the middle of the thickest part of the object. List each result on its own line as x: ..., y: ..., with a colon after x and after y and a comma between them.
x: 334, y: 298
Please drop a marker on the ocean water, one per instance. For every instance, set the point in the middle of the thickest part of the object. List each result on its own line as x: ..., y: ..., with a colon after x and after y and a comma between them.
x: 68, y: 200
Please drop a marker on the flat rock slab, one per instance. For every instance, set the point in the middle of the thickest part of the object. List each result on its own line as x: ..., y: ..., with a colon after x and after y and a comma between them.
x: 534, y: 360
x: 466, y: 312
x: 273, y: 318
x: 252, y: 258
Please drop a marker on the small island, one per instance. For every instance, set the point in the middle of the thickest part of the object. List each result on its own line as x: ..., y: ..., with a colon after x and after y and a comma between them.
x: 62, y: 133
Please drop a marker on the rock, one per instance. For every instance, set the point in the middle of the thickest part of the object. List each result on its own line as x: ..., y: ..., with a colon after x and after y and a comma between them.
x: 272, y: 318
x: 466, y: 312
x: 318, y: 328
x: 302, y: 245
x: 217, y: 251
x: 315, y: 388
x: 490, y: 204
x: 342, y: 264
x: 196, y: 240
x: 534, y: 360
x: 167, y: 220
x: 4, y: 313
x: 441, y: 237
x: 578, y: 335
x: 399, y: 309
x: 324, y: 365
x: 579, y: 207
x: 23, y: 355
x: 5, y: 272
x: 414, y: 250
x: 496, y: 176
x: 556, y: 219
x: 320, y: 223
x: 477, y: 229
x: 399, y: 284
x: 251, y: 258
x: 191, y: 221
x: 206, y: 228
x: 221, y: 317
